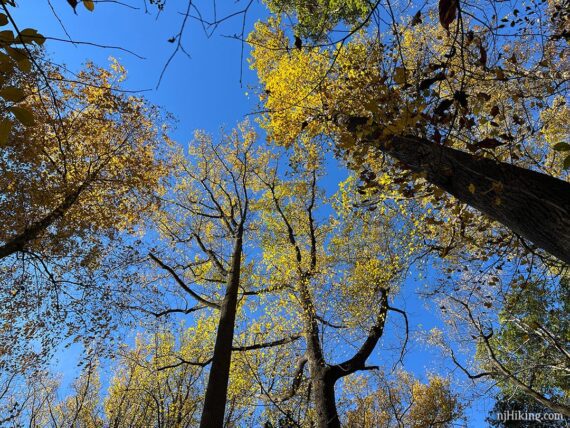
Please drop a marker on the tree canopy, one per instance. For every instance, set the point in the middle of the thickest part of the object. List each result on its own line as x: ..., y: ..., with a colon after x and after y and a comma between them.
x: 385, y: 243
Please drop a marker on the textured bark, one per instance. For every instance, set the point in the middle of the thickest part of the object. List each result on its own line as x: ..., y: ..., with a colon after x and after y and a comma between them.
x: 322, y: 380
x: 533, y: 205
x: 324, y: 376
x: 216, y: 391
x: 324, y: 398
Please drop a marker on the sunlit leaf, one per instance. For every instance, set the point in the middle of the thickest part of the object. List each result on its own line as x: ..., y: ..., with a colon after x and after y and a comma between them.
x: 89, y: 5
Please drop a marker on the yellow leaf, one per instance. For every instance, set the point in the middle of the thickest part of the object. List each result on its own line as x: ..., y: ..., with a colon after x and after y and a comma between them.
x: 472, y: 188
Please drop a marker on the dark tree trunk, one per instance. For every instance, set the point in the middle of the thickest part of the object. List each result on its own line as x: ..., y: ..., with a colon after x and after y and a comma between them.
x: 533, y: 205
x: 322, y: 378
x: 324, y: 398
x: 216, y: 391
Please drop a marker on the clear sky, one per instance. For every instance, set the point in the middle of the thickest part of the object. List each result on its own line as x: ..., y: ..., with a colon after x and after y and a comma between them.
x: 203, y: 92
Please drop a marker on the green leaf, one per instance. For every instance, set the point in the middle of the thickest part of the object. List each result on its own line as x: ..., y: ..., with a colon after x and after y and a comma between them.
x: 89, y: 5
x: 25, y: 116
x: 561, y: 147
x: 11, y: 93
x: 566, y: 164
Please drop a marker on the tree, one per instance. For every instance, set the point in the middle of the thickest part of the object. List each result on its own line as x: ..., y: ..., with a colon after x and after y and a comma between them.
x: 73, y: 185
x: 466, y: 57
x: 81, y: 409
x: 337, y: 273
x: 34, y: 401
x: 388, y: 402
x: 150, y: 386
x: 435, y: 102
x: 92, y: 149
x: 517, y: 325
x: 528, y: 353
x: 207, y: 222
x: 505, y: 414
x: 19, y: 53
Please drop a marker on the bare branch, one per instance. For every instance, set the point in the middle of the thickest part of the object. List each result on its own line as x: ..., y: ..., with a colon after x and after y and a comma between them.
x: 182, y: 283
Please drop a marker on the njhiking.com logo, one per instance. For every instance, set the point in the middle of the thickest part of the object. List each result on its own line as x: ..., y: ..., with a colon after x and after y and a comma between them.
x: 518, y: 415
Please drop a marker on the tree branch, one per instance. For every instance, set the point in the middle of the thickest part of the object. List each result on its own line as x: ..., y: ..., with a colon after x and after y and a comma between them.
x: 182, y: 283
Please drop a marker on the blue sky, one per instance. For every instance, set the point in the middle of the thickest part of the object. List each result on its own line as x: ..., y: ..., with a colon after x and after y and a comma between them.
x: 203, y: 92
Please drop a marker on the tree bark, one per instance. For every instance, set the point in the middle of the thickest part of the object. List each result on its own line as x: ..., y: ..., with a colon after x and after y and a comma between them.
x: 216, y: 391
x: 324, y: 398
x: 322, y: 378
x: 536, y: 206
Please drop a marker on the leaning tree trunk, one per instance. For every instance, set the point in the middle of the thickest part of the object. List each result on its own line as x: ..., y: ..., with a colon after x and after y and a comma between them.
x: 534, y: 205
x: 22, y: 240
x: 216, y: 391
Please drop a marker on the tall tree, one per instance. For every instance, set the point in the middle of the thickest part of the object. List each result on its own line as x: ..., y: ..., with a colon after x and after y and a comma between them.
x: 35, y: 401
x: 401, y: 400
x: 517, y: 325
x: 150, y: 386
x: 206, y: 221
x: 91, y: 148
x: 338, y: 272
x: 72, y: 185
x: 522, y: 412
x: 434, y: 98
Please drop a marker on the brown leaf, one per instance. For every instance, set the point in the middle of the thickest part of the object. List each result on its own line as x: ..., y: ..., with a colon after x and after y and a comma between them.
x: 73, y: 4
x: 437, y: 136
x: 442, y: 107
x: 426, y: 83
x: 461, y: 98
x: 482, y: 56
x: 89, y: 5
x: 417, y: 19
x: 483, y: 96
x: 489, y: 143
x: 298, y: 42
x: 447, y: 12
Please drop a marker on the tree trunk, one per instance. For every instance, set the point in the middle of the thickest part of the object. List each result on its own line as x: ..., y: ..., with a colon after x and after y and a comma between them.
x: 216, y: 391
x: 322, y: 378
x: 533, y: 205
x: 19, y: 242
x: 324, y: 398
